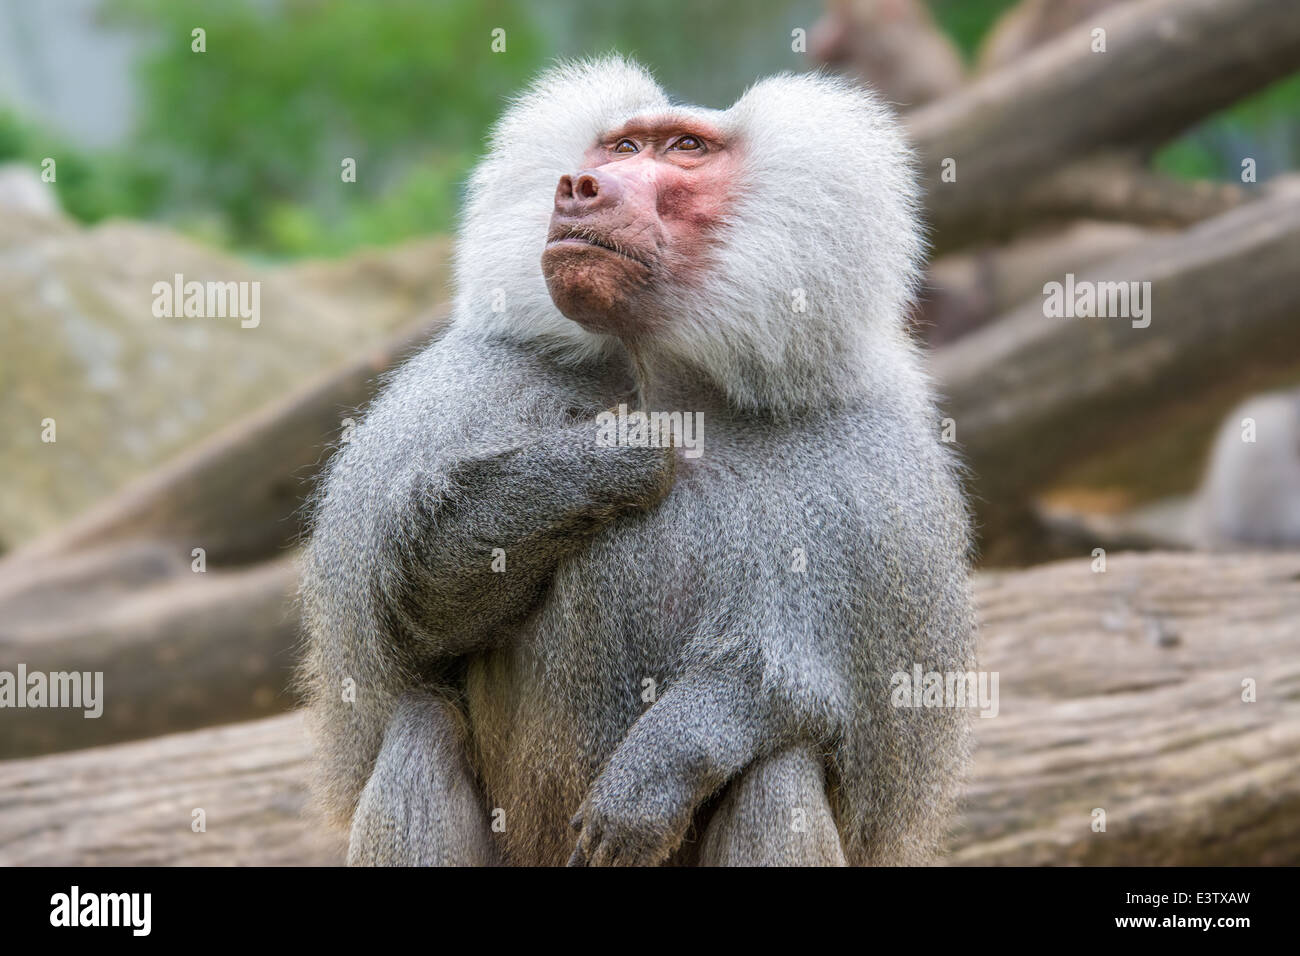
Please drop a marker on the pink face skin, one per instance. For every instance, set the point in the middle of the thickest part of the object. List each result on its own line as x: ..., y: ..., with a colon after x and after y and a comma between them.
x: 635, y: 222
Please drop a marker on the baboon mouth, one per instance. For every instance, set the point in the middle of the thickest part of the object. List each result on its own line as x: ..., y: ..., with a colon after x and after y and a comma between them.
x: 583, y: 238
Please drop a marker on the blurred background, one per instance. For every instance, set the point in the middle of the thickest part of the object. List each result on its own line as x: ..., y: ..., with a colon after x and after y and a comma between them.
x: 219, y: 146
x: 1137, y: 488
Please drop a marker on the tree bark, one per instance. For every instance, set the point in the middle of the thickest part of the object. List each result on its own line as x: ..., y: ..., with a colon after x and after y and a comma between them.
x: 190, y: 651
x: 1167, y: 64
x: 1123, y: 691
x: 1033, y: 395
x: 134, y: 804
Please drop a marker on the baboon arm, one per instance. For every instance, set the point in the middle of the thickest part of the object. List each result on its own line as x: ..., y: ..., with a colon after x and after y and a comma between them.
x: 485, y: 537
x: 708, y: 726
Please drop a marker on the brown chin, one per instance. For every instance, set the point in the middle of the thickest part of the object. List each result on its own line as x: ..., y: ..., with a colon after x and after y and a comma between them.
x: 595, y: 287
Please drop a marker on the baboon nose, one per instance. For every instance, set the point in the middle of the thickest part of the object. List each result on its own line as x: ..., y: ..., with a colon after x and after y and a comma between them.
x: 585, y: 193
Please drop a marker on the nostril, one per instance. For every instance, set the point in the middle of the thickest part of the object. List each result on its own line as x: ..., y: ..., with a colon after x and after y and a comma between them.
x: 565, y: 189
x: 587, y: 188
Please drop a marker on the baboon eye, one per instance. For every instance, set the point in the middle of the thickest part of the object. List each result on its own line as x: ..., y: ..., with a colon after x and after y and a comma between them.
x: 686, y: 142
x: 625, y: 146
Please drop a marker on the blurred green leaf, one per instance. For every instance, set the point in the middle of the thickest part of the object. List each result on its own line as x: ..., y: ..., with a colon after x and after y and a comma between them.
x: 257, y: 125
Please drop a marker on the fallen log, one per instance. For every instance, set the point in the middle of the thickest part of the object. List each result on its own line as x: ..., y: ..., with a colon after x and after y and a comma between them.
x: 1119, y: 690
x: 966, y: 290
x: 133, y: 804
x: 1167, y: 64
x: 1123, y: 691
x: 1116, y: 188
x: 1033, y: 395
x: 192, y: 650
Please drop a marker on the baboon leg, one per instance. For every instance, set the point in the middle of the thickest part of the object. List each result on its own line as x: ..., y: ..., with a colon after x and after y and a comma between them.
x: 775, y: 814
x: 422, y: 805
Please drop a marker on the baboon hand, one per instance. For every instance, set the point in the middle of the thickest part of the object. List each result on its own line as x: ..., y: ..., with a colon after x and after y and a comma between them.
x: 637, y: 825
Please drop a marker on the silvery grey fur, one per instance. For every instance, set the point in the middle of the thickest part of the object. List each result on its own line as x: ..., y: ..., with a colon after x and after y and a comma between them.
x: 517, y: 698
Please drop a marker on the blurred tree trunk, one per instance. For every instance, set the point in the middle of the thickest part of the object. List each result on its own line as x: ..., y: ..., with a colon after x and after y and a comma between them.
x: 1168, y: 63
x: 1032, y: 395
x: 188, y: 651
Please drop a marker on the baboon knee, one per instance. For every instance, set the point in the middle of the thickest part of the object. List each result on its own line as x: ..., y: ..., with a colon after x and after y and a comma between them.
x: 775, y: 814
x: 422, y: 805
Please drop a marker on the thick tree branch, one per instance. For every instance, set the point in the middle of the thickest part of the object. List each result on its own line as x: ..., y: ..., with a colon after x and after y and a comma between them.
x: 1032, y: 395
x: 1168, y: 63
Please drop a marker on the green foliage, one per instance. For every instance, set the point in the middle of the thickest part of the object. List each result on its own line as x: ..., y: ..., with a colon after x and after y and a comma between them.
x: 427, y: 194
x: 1263, y: 126
x: 13, y: 138
x: 700, y: 52
x: 90, y: 185
x: 255, y: 128
x: 967, y: 21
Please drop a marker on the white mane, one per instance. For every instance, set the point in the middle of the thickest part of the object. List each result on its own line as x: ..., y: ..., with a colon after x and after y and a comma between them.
x: 826, y: 215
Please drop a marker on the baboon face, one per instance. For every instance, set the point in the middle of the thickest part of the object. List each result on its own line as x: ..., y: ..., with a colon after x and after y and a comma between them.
x: 636, y: 221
